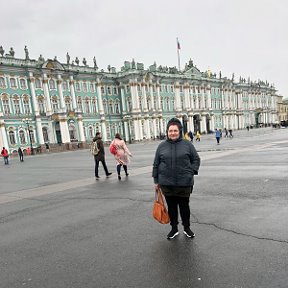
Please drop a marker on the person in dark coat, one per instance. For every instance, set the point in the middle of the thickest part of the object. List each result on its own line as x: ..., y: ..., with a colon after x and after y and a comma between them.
x: 175, y: 164
x: 20, y: 153
x: 100, y: 157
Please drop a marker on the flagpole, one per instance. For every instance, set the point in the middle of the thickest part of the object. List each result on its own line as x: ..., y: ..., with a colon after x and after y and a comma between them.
x: 178, y: 53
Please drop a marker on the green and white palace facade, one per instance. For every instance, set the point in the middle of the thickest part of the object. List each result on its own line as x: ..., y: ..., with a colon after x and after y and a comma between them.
x: 45, y: 101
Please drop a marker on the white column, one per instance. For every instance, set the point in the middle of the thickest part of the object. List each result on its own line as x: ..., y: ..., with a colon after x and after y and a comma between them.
x: 203, y: 124
x: 100, y: 102
x: 202, y: 98
x: 51, y: 136
x: 147, y: 127
x: 140, y: 129
x: 39, y: 131
x: 212, y: 123
x: 122, y: 93
x: 64, y: 131
x: 145, y: 109
x: 191, y: 123
x: 47, y: 95
x: 154, y: 127
x: 32, y: 89
x: 186, y: 97
x: 60, y: 92
x: 3, y: 138
x: 152, y: 96
x: 103, y: 130
x: 126, y: 131
x: 81, y: 130
x: 136, y: 129
x: 177, y: 97
x: 208, y: 97
x: 72, y: 92
x: 158, y: 97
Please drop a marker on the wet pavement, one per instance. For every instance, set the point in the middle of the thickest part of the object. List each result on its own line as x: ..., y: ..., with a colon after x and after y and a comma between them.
x: 59, y: 227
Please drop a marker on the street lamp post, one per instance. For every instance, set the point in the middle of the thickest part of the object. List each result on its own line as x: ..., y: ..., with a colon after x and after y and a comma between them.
x: 28, y: 121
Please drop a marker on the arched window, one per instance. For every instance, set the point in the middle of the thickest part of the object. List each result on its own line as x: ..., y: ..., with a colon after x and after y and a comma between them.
x: 79, y: 104
x: 129, y: 104
x: 102, y: 90
x: 37, y: 83
x: 13, y: 83
x: 22, y: 137
x: 117, y: 109
x: 92, y: 88
x: 16, y: 104
x: 6, y: 106
x: 105, y: 107
x: 77, y: 87
x: 52, y: 84
x: 94, y: 106
x: 41, y: 105
x: 91, y: 132
x: 85, y: 87
x: 2, y: 82
x: 64, y: 85
x: 72, y: 132
x: 12, y: 138
x: 23, y: 84
x: 68, y: 104
x: 54, y: 104
x: 87, y: 106
x: 111, y: 108
x: 167, y: 104
x: 26, y: 105
x: 45, y: 134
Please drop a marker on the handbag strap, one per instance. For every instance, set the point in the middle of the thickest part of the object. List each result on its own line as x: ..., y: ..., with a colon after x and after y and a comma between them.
x: 159, y: 196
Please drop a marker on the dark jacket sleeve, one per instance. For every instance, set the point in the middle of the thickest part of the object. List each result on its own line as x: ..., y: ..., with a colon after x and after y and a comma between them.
x: 155, y: 166
x: 195, y: 160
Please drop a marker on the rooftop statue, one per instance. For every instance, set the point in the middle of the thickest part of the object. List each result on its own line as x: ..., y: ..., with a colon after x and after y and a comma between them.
x: 68, y: 58
x: 26, y: 53
x: 84, y: 61
x: 133, y: 64
x: 41, y: 59
x: 77, y: 60
x: 95, y: 64
x: 220, y: 75
x: 55, y: 58
x: 109, y: 68
x: 2, y: 51
x: 12, y: 52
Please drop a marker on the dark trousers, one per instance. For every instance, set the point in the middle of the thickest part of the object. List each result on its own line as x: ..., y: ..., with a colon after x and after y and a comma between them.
x: 97, y: 167
x: 218, y: 140
x: 6, y: 161
x: 21, y: 157
x: 119, y: 169
x: 183, y: 202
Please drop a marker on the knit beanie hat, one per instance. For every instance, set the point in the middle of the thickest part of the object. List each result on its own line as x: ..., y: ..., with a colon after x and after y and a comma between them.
x: 175, y: 121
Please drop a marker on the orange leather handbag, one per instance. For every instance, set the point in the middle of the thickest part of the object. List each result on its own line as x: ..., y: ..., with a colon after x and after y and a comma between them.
x: 160, y: 212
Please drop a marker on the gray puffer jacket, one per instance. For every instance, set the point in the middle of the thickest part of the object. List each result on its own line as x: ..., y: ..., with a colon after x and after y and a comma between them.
x: 175, y: 163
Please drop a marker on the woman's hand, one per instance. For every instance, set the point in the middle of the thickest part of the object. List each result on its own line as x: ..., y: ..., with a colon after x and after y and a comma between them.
x: 156, y: 186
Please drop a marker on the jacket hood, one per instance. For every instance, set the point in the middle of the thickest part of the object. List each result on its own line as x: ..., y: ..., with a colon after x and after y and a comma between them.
x: 174, y: 121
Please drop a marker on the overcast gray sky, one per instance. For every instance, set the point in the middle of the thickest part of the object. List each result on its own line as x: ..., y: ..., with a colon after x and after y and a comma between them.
x: 247, y: 37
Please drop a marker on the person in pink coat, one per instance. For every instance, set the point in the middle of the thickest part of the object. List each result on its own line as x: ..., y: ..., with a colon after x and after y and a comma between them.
x: 121, y: 154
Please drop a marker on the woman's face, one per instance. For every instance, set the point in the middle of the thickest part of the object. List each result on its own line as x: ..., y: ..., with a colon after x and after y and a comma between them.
x: 173, y: 132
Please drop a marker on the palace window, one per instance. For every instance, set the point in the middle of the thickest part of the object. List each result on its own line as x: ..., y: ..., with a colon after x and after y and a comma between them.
x: 64, y: 85
x: 77, y: 87
x: 91, y: 132
x: 68, y: 104
x: 109, y: 90
x: 32, y: 137
x: 172, y: 88
x: 16, y: 106
x: 105, y: 107
x: 167, y: 104
x: 94, y: 106
x: 26, y: 106
x: 79, y: 104
x: 12, y: 138
x: 22, y: 137
x: 111, y: 108
x: 115, y: 90
x: 2, y: 82
x: 102, y: 90
x: 45, y: 134
x: 52, y: 84
x: 87, y: 106
x: 117, y: 110
x: 85, y: 89
x: 37, y: 83
x: 13, y: 83
x: 6, y: 106
x: 23, y: 84
x: 127, y: 89
x: 54, y: 105
x: 92, y: 88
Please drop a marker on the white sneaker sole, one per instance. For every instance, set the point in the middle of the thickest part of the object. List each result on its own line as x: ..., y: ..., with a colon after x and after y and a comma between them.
x: 189, y: 236
x: 177, y: 233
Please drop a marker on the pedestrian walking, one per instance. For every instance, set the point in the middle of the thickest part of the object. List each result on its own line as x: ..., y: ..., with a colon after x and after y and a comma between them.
x: 198, y: 136
x: 175, y: 164
x: 190, y: 134
x: 186, y: 136
x: 5, y: 155
x: 218, y: 136
x: 100, y: 157
x: 226, y: 133
x: 121, y: 154
x: 20, y: 153
x: 47, y: 147
x: 230, y: 132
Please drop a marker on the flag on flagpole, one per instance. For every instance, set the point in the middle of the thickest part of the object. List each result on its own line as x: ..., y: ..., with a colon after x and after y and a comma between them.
x: 178, y: 45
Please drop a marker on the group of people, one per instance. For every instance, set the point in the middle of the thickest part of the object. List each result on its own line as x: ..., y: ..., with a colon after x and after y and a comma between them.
x: 5, y: 154
x: 190, y: 135
x: 122, y: 155
x: 175, y: 163
x: 218, y: 134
